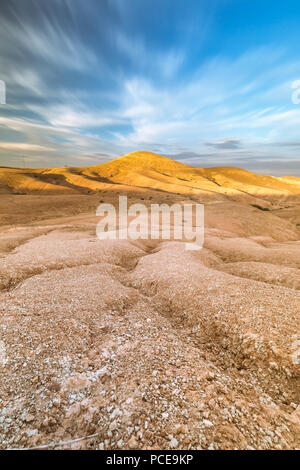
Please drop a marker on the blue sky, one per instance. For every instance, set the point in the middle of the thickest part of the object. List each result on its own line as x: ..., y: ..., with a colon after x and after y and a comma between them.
x: 205, y: 82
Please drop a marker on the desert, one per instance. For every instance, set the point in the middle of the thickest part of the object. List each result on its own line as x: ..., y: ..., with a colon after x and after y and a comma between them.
x: 140, y: 344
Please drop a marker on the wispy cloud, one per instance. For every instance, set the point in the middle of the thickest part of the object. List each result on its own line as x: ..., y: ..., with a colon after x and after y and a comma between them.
x: 22, y: 146
x: 225, y: 144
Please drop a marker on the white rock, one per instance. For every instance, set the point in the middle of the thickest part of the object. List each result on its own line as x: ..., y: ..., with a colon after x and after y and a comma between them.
x: 207, y: 423
x: 173, y: 443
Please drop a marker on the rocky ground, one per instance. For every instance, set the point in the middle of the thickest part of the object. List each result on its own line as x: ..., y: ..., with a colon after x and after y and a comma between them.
x: 144, y: 345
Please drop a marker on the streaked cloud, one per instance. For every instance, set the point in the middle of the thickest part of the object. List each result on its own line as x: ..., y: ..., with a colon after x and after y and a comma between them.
x: 91, y: 81
x: 225, y: 144
x: 24, y: 147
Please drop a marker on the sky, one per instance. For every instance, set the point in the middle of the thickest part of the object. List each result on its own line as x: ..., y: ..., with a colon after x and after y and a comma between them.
x: 208, y: 83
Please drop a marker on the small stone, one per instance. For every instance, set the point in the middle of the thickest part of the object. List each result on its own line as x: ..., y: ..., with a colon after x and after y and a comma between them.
x: 181, y: 429
x: 207, y: 423
x: 54, y: 386
x: 29, y: 418
x: 56, y: 402
x: 132, y: 443
x: 45, y: 423
x: 32, y: 432
x: 212, y: 404
x: 120, y: 443
x: 173, y: 443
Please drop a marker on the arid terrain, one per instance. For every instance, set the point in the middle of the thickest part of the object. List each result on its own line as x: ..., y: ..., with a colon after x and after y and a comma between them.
x: 142, y: 344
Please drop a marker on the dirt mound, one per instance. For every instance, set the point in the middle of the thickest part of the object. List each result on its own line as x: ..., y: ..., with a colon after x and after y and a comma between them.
x: 144, y: 345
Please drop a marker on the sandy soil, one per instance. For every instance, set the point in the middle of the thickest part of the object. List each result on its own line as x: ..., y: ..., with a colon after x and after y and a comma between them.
x: 143, y: 344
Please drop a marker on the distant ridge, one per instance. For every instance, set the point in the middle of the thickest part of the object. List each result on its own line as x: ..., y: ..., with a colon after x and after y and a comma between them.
x: 148, y: 170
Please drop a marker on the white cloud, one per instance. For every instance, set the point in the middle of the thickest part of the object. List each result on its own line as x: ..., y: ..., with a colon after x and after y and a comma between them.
x: 47, y: 41
x: 17, y: 146
x: 222, y: 101
x: 56, y: 145
x: 71, y: 118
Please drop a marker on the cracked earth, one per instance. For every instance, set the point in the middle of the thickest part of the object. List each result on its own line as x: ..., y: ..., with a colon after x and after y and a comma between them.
x: 145, y: 345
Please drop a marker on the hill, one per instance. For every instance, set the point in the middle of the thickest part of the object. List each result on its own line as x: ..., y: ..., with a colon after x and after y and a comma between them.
x: 149, y: 170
